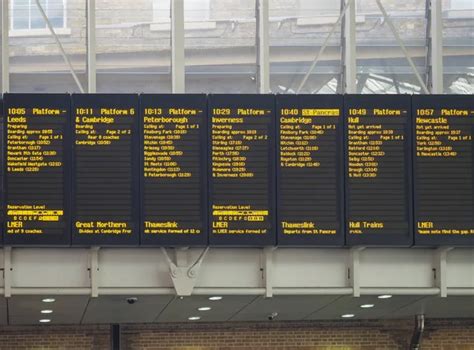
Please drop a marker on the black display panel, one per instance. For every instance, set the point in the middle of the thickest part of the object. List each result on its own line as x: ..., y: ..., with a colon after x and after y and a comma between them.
x: 173, y: 169
x: 378, y: 166
x: 310, y: 195
x: 2, y: 181
x: 106, y: 167
x: 37, y: 169
x: 241, y: 170
x: 444, y: 169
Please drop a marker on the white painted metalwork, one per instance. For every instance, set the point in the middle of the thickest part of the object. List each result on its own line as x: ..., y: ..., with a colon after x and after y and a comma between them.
x: 348, y: 43
x: 436, y: 47
x: 263, y: 47
x: 5, y: 59
x: 91, y: 46
x: 238, y: 271
x: 177, y: 46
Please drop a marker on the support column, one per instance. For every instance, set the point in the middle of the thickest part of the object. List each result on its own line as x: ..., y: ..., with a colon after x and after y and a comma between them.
x: 177, y: 46
x: 349, y: 68
x: 115, y: 337
x: 91, y: 47
x: 263, y: 47
x: 441, y: 270
x: 354, y: 270
x: 7, y: 271
x: 436, y: 47
x: 5, y: 59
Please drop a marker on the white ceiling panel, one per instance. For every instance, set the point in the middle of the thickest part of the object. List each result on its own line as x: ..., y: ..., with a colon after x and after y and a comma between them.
x: 437, y: 307
x: 222, y: 310
x: 286, y: 307
x: 3, y: 311
x: 26, y: 309
x: 350, y: 305
x: 116, y: 309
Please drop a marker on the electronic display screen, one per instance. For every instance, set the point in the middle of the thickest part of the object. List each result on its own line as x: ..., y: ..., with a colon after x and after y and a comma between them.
x: 242, y: 169
x: 174, y: 169
x: 105, y: 167
x: 310, y: 170
x: 378, y: 167
x: 444, y: 169
x: 37, y: 169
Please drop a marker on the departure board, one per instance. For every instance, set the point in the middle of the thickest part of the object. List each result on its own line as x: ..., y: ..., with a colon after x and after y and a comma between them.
x: 310, y: 198
x: 2, y: 182
x: 378, y: 170
x: 444, y: 169
x: 106, y: 167
x: 241, y: 169
x: 37, y: 169
x: 174, y: 168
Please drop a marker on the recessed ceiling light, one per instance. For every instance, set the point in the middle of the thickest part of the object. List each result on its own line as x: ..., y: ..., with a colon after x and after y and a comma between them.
x: 204, y: 308
x: 347, y: 315
x: 49, y: 300
x: 45, y: 320
x: 46, y: 311
x: 215, y: 298
x: 367, y: 306
x: 384, y: 296
x: 194, y: 318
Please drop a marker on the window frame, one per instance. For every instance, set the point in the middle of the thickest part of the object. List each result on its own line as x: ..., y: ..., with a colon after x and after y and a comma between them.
x: 39, y: 31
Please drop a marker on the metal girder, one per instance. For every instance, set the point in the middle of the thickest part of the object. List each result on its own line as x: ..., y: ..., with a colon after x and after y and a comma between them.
x: 238, y: 271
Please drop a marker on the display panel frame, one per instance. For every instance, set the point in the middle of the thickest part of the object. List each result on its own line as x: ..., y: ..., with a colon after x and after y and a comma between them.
x: 437, y: 102
x: 308, y: 101
x: 258, y: 101
x: 114, y: 101
x: 33, y: 100
x: 190, y: 101
x: 393, y: 102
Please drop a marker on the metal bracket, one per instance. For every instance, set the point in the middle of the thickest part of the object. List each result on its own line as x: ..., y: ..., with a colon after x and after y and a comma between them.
x: 353, y: 271
x: 267, y: 269
x: 441, y: 271
x: 94, y: 271
x: 184, y: 276
x: 7, y: 271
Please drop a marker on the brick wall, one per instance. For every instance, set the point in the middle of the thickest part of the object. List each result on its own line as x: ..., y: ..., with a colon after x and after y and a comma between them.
x: 330, y: 335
